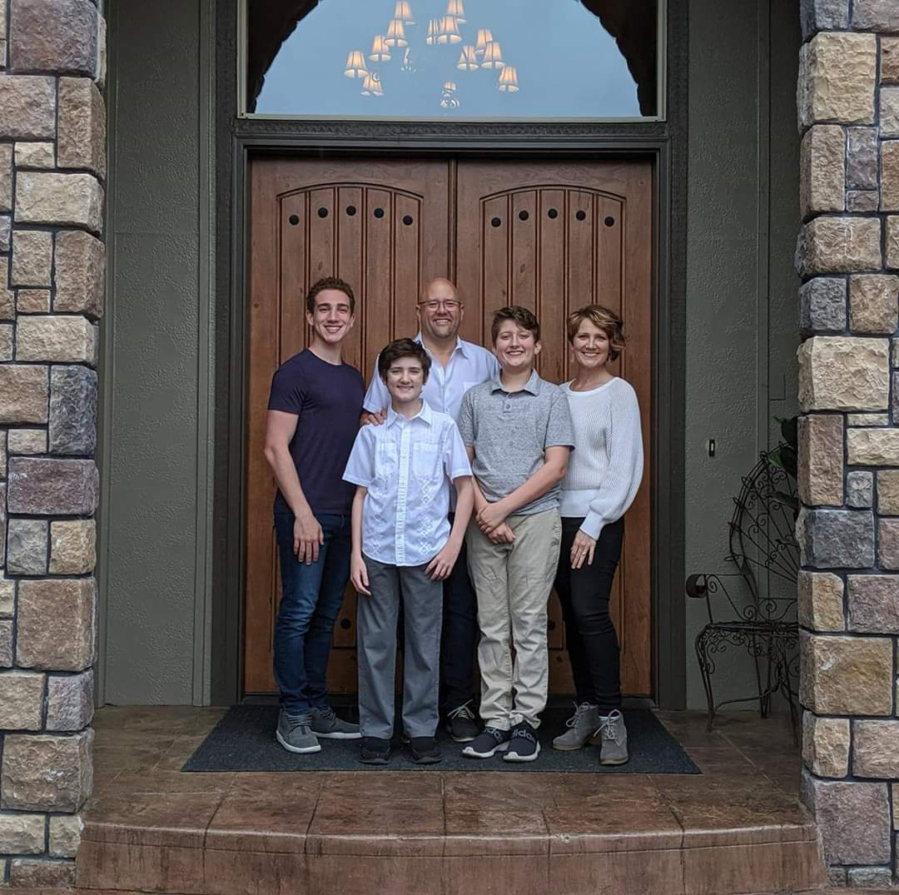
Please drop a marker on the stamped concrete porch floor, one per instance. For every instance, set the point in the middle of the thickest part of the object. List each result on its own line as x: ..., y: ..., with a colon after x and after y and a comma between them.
x: 737, y: 828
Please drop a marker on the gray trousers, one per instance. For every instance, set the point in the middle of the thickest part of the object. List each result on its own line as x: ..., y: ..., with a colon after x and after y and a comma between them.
x: 376, y: 618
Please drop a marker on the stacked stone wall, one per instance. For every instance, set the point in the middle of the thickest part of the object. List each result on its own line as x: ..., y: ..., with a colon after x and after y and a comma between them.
x: 848, y: 527
x: 52, y: 259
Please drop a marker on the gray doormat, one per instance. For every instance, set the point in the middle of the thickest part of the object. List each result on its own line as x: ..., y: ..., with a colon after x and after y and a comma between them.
x: 244, y: 740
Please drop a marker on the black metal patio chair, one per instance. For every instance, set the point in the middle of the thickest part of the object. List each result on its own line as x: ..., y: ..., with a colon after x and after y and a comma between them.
x: 758, y: 603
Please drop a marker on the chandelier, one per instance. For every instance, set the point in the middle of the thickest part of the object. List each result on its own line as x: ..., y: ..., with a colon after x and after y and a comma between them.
x: 478, y: 51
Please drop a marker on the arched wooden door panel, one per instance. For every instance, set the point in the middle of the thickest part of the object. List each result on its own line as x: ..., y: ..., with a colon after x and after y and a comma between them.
x: 381, y: 226
x: 555, y: 237
x: 550, y: 237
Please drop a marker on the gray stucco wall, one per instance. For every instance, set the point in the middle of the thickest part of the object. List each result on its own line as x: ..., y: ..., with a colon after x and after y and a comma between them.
x: 742, y: 319
x: 154, y: 358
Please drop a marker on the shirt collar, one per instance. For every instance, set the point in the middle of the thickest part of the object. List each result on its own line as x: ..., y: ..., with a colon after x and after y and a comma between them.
x: 461, y: 346
x: 532, y: 385
x: 425, y: 415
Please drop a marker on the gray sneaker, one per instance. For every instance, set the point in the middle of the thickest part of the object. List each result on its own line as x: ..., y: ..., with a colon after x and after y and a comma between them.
x: 612, y: 737
x: 326, y: 724
x: 581, y: 726
x: 295, y: 734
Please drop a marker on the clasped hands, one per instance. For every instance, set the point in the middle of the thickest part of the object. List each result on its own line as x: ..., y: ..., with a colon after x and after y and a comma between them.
x: 491, y: 519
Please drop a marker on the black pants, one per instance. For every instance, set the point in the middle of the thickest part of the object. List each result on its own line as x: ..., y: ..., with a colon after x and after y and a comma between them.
x: 589, y: 633
x: 460, y: 635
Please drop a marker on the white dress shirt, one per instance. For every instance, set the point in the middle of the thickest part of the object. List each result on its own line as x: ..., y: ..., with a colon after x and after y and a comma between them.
x: 469, y: 365
x: 407, y: 466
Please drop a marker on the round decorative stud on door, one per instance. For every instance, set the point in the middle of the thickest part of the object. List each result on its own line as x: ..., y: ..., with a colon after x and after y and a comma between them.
x: 581, y: 215
x: 379, y: 212
x: 496, y: 222
x: 323, y: 212
x: 351, y: 210
x: 293, y: 220
x: 346, y: 624
x: 552, y: 214
x: 407, y: 220
x: 609, y: 221
x: 523, y: 215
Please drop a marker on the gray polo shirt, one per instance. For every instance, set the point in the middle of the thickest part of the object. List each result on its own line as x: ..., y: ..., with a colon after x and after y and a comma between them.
x: 510, y: 432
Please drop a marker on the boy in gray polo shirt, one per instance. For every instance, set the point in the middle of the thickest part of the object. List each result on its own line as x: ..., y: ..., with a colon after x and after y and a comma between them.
x: 518, y: 433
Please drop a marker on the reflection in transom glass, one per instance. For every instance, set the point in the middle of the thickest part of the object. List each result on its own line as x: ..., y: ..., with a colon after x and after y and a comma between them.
x: 492, y: 59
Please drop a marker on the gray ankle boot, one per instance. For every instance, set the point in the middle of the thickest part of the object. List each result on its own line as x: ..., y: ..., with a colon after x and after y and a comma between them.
x: 611, y: 736
x: 581, y: 726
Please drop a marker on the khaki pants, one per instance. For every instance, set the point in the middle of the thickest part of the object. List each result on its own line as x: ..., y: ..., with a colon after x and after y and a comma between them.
x: 513, y: 583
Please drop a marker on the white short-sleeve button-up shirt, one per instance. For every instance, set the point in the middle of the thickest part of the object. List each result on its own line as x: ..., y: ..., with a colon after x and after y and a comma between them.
x: 407, y: 465
x: 470, y: 365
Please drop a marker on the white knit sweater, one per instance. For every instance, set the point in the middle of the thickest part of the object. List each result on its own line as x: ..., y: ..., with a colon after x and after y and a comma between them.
x: 606, y: 465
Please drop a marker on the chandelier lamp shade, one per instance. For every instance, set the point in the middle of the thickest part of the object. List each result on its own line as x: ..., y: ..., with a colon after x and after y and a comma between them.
x: 403, y: 12
x: 396, y: 34
x: 380, y: 52
x: 371, y: 86
x: 468, y: 61
x: 454, y: 8
x: 355, y: 65
x: 493, y: 56
x: 485, y: 36
x: 449, y: 31
x: 508, y: 80
x: 478, y: 50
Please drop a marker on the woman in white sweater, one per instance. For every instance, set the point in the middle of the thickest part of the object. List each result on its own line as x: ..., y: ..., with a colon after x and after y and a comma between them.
x: 604, y: 473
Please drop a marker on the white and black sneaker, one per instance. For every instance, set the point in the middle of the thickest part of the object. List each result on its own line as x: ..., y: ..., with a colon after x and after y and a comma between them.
x: 524, y: 745
x: 487, y: 743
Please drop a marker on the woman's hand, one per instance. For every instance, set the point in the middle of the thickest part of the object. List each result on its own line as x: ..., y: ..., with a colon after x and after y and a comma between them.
x: 359, y: 575
x: 582, y: 549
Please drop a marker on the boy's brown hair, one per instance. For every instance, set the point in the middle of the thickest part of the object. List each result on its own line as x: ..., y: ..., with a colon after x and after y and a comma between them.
x: 602, y: 318
x: 399, y: 349
x: 521, y: 316
x: 330, y: 283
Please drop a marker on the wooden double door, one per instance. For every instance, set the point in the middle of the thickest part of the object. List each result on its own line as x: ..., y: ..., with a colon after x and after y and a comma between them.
x: 551, y: 237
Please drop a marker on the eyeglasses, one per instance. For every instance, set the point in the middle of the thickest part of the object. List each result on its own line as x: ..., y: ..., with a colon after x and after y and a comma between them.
x: 451, y: 304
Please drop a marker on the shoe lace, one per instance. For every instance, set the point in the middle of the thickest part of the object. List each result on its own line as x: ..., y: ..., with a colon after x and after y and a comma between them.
x: 462, y: 711
x: 296, y: 721
x: 608, y: 728
x: 326, y: 714
x: 579, y: 712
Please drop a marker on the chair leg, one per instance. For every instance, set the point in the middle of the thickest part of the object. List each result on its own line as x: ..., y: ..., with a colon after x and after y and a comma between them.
x: 706, y: 673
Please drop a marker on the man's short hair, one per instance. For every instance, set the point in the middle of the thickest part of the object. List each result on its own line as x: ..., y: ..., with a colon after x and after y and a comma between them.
x: 602, y: 318
x: 521, y: 316
x: 330, y: 283
x: 399, y: 349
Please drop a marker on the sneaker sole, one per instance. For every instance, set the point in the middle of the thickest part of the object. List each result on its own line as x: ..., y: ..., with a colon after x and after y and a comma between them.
x: 470, y: 753
x: 514, y: 756
x: 339, y: 736
x: 379, y: 760
x: 426, y: 759
x: 298, y: 750
x: 614, y: 761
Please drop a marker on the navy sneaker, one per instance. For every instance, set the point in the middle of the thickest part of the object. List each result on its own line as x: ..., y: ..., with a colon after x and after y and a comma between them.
x: 374, y: 750
x: 487, y: 743
x: 461, y: 723
x: 524, y: 745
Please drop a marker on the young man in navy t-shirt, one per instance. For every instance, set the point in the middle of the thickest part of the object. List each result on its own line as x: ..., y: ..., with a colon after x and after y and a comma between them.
x: 313, y: 418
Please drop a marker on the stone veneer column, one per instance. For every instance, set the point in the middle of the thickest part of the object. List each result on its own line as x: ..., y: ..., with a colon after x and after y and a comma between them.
x: 848, y: 527
x: 52, y: 258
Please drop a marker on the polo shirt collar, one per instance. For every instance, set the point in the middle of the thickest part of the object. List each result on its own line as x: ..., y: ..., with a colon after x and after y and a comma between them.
x: 425, y: 415
x: 531, y: 385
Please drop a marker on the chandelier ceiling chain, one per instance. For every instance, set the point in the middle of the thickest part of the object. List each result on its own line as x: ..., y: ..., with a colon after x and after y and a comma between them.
x: 484, y: 53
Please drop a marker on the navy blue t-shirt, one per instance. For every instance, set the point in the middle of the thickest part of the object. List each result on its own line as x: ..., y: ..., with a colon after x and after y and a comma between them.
x: 328, y: 401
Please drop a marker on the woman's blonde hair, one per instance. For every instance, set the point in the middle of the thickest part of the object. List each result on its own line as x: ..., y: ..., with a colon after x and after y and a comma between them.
x: 602, y: 318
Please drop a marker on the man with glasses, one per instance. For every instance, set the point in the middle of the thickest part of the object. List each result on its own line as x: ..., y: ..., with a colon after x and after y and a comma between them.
x: 456, y: 366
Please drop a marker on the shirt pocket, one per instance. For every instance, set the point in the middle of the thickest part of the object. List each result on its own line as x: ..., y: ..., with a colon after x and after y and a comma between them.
x: 425, y: 461
x: 386, y: 459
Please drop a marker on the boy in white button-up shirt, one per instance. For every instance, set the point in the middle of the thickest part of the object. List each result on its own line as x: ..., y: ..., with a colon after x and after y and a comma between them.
x: 403, y: 545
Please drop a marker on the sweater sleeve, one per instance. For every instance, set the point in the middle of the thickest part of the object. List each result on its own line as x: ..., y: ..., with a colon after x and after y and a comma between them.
x: 625, y: 469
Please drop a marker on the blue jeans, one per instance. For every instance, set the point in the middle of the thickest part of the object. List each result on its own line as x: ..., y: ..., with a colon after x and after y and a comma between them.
x: 310, y: 601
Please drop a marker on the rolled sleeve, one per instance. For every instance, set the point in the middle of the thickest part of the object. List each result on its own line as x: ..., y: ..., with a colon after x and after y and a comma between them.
x: 559, y: 428
x: 466, y: 420
x: 360, y: 468
x: 455, y: 457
